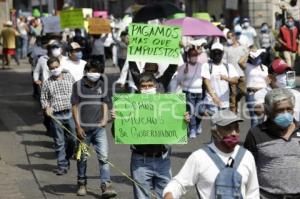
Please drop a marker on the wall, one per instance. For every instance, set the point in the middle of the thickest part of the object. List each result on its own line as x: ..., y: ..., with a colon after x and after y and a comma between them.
x: 4, y: 14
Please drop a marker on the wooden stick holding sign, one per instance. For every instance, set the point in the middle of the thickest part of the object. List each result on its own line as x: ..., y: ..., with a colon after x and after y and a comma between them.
x: 99, y: 26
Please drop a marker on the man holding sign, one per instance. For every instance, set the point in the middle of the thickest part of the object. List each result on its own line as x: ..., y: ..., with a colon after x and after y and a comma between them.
x: 150, y: 163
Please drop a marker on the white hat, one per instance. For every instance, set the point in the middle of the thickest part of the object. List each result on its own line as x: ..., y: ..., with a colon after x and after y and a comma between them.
x: 257, y: 53
x: 198, y: 42
x: 217, y: 46
x: 9, y: 23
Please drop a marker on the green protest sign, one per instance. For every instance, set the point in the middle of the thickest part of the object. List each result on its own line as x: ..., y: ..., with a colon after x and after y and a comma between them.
x: 71, y: 19
x: 150, y: 119
x: 154, y: 43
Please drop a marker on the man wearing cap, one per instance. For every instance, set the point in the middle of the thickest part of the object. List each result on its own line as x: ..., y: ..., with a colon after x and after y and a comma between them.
x: 74, y: 63
x: 41, y: 72
x: 8, y: 35
x: 217, y: 78
x: 275, y: 147
x: 278, y: 75
x: 200, y: 169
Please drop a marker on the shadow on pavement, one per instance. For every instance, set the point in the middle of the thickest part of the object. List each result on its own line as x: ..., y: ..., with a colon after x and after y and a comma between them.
x: 43, y: 155
x: 45, y: 144
x: 39, y: 133
x: 61, y: 189
x: 115, y: 179
x: 41, y: 167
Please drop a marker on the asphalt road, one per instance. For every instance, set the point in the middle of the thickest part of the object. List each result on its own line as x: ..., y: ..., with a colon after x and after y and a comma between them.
x: 27, y: 155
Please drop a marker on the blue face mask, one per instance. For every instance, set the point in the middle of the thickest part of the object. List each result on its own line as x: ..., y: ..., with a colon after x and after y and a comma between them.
x: 290, y: 24
x: 284, y: 119
x: 78, y: 55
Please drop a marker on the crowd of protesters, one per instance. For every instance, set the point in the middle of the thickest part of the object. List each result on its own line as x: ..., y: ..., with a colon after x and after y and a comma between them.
x: 246, y: 73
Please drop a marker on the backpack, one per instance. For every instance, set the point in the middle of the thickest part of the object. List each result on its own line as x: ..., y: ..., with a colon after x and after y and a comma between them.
x: 210, y: 72
x: 228, y: 181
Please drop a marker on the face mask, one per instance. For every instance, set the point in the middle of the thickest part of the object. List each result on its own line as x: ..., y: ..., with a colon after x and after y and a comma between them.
x: 56, y: 52
x: 193, y: 60
x: 149, y: 91
x: 230, y: 42
x: 93, y: 76
x: 281, y: 81
x: 290, y: 24
x: 56, y: 72
x: 216, y: 58
x: 284, y: 119
x: 264, y: 29
x: 78, y: 56
x: 246, y: 24
x: 230, y: 141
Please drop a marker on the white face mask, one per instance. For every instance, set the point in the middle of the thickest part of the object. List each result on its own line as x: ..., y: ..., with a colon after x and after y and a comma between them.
x: 281, y: 81
x: 149, y: 91
x: 56, y: 52
x: 229, y: 41
x: 246, y: 24
x: 193, y: 60
x: 93, y: 76
x: 56, y: 72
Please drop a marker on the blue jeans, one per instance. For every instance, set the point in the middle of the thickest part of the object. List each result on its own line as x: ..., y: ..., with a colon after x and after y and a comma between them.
x: 24, y: 46
x: 193, y: 104
x: 250, y: 105
x: 152, y: 173
x: 98, y: 138
x: 65, y: 143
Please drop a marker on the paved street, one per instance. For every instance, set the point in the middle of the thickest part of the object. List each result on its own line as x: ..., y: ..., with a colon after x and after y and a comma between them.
x: 27, y: 155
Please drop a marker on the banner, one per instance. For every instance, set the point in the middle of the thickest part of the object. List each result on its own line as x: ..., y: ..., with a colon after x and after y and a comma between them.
x: 154, y: 43
x: 51, y: 24
x: 98, y: 26
x: 102, y: 14
x: 150, y: 119
x: 71, y: 18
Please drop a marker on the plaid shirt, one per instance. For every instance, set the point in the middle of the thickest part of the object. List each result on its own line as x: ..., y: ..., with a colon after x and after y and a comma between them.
x: 57, y: 93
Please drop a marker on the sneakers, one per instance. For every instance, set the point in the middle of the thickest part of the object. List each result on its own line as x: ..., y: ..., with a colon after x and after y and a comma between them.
x: 61, y: 171
x: 192, y: 134
x: 81, y: 190
x: 107, y: 190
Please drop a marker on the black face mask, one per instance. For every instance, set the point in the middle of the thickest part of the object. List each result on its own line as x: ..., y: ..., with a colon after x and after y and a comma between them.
x: 216, y: 56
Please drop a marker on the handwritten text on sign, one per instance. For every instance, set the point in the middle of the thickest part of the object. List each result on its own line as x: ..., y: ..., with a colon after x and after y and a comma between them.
x: 99, y: 26
x: 154, y: 42
x: 150, y: 119
x: 71, y: 19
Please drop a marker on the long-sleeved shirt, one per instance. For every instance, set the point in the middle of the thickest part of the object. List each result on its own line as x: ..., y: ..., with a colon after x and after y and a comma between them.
x: 200, y: 170
x: 57, y: 93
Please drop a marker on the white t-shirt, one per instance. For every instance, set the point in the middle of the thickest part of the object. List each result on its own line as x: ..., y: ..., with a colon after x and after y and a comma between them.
x: 192, y: 80
x: 256, y: 76
x: 233, y: 54
x: 250, y: 33
x: 221, y: 87
x: 75, y: 68
x: 200, y: 170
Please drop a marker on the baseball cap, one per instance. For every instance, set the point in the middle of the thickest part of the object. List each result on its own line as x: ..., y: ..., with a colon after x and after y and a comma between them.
x: 279, y: 66
x: 246, y: 19
x: 198, y: 42
x: 217, y: 46
x: 53, y: 43
x: 225, y: 117
x: 74, y: 46
x: 9, y: 23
